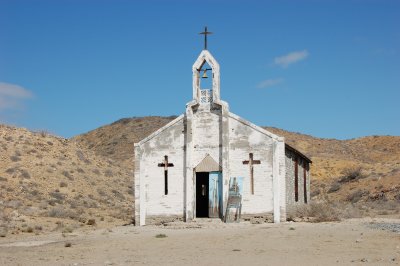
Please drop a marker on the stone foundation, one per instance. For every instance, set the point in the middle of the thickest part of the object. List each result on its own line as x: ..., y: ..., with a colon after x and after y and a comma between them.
x: 160, y: 220
x: 259, y: 218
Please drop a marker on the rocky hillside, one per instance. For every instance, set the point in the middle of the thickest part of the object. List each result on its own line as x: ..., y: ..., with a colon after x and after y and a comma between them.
x: 374, y: 160
x: 52, y: 183
x: 48, y: 183
x: 363, y: 169
x: 116, y: 141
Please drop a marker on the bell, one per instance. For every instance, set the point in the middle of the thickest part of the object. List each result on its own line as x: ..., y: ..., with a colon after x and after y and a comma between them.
x: 204, y: 74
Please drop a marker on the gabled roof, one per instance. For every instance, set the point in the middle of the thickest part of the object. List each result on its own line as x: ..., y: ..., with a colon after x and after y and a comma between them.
x: 290, y: 148
x: 155, y: 133
x: 255, y: 127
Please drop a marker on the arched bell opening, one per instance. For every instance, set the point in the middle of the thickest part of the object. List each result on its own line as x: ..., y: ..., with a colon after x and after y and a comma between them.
x: 206, y: 76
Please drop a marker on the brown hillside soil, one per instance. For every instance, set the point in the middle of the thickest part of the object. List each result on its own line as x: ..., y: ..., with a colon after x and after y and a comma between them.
x: 116, y: 141
x: 53, y: 184
x: 377, y: 158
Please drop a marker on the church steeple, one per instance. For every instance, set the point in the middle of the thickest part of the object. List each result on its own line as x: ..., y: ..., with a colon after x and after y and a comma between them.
x: 205, y: 63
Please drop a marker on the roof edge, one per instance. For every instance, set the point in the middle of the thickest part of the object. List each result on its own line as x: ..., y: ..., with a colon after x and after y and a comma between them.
x: 255, y: 127
x: 287, y: 146
x: 155, y: 133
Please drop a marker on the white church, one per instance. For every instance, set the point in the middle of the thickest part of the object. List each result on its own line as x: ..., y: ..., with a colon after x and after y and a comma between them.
x: 211, y: 163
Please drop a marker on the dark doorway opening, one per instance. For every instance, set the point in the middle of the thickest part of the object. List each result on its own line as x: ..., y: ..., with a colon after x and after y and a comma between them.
x: 202, y: 186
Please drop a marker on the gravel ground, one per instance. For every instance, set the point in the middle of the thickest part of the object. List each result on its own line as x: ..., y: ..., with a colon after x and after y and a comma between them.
x: 393, y: 227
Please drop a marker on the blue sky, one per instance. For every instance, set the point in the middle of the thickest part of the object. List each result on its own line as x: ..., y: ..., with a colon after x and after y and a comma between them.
x: 326, y: 68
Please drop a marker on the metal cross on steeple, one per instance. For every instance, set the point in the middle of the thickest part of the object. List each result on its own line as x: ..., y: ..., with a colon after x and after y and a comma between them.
x: 205, y: 33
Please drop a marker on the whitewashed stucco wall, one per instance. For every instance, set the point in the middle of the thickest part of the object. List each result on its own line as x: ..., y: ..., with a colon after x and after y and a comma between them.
x: 149, y: 177
x: 244, y: 139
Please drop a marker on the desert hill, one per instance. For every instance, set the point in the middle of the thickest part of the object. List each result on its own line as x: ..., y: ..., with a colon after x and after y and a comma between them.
x: 373, y: 163
x: 52, y: 183
x: 46, y: 179
x: 116, y: 140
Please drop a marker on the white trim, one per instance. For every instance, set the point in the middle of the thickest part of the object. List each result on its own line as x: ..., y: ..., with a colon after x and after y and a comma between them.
x: 276, y: 183
x: 255, y: 127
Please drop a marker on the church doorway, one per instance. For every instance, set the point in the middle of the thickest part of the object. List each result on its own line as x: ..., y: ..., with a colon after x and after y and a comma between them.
x: 208, y: 194
x: 202, y: 189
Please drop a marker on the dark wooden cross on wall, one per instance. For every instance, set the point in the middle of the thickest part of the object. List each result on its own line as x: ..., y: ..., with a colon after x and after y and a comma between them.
x: 251, y: 163
x: 165, y: 164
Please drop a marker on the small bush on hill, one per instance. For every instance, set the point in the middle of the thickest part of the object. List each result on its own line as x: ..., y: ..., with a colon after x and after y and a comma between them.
x: 352, y: 174
x: 25, y: 174
x: 108, y: 173
x: 60, y: 212
x: 15, y: 158
x: 68, y: 175
x: 334, y: 187
x: 356, y: 196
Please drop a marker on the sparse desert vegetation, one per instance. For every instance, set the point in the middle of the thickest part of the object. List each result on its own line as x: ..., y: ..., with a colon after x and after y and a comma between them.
x: 46, y: 180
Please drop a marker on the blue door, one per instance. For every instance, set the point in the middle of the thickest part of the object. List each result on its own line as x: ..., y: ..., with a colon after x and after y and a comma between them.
x: 215, y: 195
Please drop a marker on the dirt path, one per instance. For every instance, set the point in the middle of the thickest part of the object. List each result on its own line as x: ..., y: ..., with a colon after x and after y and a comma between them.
x: 351, y: 242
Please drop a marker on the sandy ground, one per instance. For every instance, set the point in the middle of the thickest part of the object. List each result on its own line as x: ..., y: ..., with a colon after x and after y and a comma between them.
x: 350, y: 242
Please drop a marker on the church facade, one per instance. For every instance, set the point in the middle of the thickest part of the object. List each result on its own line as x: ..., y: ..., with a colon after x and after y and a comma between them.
x: 209, y: 162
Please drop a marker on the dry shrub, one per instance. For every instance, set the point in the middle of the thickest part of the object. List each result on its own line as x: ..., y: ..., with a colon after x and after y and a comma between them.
x: 3, y: 231
x: 25, y: 174
x: 356, y: 196
x: 334, y: 187
x: 43, y: 133
x: 28, y: 230
x: 80, y: 170
x: 57, y: 195
x: 118, y: 194
x: 315, y: 192
x: 91, y: 222
x: 82, y: 157
x: 101, y: 192
x: 67, y: 230
x: 352, y: 174
x: 11, y: 170
x: 318, y: 211
x: 96, y: 171
x: 387, y: 205
x: 60, y: 212
x: 15, y: 204
x: 350, y: 211
x: 15, y: 158
x: 68, y: 175
x: 108, y: 173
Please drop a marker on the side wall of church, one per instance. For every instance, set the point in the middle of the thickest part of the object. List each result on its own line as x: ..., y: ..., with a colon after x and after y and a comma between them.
x: 169, y: 142
x: 243, y: 141
x: 290, y: 179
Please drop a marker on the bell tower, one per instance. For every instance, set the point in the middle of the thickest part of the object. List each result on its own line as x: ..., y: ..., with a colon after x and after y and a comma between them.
x: 206, y: 67
x: 206, y: 133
